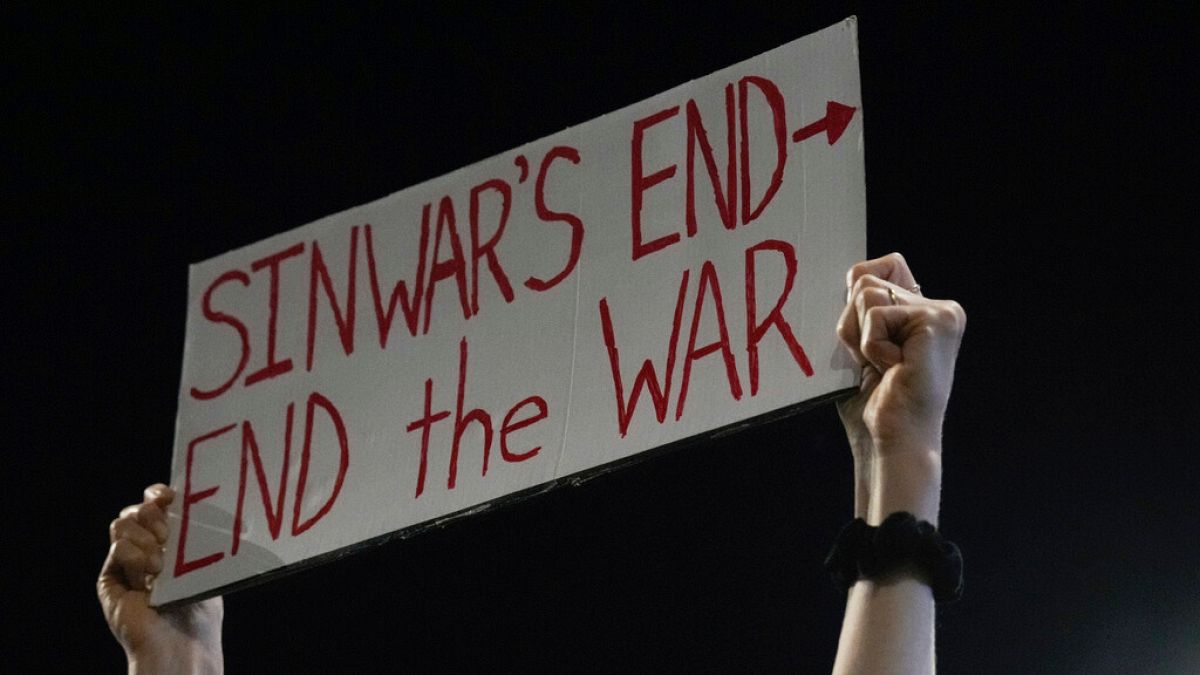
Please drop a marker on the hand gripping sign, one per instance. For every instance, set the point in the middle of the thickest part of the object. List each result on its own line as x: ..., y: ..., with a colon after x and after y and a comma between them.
x: 657, y: 274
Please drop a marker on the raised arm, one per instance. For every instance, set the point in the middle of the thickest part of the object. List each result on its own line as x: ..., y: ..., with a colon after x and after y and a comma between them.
x: 906, y: 345
x: 185, y: 639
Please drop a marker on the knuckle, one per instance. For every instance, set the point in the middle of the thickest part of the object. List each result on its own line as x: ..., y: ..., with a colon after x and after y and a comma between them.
x: 950, y: 316
x: 872, y: 314
x: 149, y: 513
x: 867, y: 298
x: 125, y: 552
x: 942, y: 325
x: 960, y: 314
x: 876, y: 296
x: 843, y: 329
x: 131, y: 531
x: 867, y: 280
x: 121, y: 528
x: 857, y: 270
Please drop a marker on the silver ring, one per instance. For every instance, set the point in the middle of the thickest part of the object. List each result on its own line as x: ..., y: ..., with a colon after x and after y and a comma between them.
x: 916, y: 288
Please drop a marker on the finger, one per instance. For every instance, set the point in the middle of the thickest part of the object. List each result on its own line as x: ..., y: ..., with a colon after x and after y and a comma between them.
x: 128, y: 527
x: 872, y: 283
x: 891, y: 267
x: 110, y: 585
x: 937, y: 324
x: 850, y: 323
x: 883, y: 334
x: 147, y: 516
x: 898, y: 295
x: 129, y: 564
x: 154, y: 563
x: 868, y: 291
x: 160, y: 494
x: 154, y: 519
x: 865, y: 300
x: 848, y: 332
x: 872, y: 297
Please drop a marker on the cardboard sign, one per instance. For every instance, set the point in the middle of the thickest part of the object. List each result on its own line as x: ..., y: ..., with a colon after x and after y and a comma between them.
x: 656, y: 274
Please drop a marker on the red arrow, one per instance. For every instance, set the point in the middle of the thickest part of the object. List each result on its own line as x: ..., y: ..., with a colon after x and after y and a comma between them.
x: 837, y: 117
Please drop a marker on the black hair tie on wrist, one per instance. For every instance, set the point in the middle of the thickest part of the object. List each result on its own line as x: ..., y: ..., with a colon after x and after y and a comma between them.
x: 862, y: 551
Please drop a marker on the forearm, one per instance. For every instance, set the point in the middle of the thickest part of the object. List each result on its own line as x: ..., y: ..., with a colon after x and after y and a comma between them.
x: 889, y: 622
x: 888, y: 628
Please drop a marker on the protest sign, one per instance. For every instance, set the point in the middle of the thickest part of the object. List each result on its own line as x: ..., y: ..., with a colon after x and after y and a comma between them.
x: 654, y: 275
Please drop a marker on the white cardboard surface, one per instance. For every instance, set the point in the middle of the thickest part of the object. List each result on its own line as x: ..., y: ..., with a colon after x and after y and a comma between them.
x: 549, y: 344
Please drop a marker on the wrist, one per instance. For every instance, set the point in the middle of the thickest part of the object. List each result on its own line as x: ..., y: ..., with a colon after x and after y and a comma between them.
x: 862, y: 487
x: 906, y: 481
x: 190, y: 659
